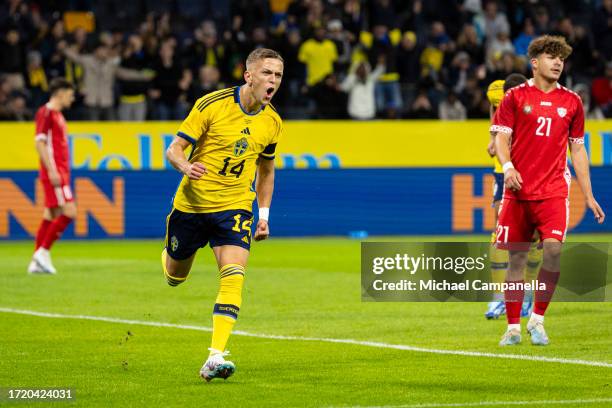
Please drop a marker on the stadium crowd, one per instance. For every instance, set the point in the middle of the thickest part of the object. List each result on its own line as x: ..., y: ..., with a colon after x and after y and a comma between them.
x: 151, y: 59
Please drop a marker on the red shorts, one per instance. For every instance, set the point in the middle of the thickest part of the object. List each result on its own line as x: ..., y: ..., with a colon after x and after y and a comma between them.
x: 56, y: 196
x: 518, y: 219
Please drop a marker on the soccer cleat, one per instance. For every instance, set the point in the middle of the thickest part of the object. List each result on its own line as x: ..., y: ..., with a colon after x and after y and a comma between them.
x: 217, y: 367
x: 495, y: 309
x: 42, y: 257
x: 537, y: 333
x: 526, y: 308
x: 511, y: 337
x: 527, y: 304
x: 34, y: 268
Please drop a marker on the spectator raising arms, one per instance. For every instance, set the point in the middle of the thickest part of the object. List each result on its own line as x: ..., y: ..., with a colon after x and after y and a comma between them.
x: 360, y: 84
x: 100, y: 68
x: 431, y: 48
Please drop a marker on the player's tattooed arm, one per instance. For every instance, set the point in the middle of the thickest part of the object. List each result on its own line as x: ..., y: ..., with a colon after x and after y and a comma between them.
x: 176, y: 156
x: 512, y: 178
x: 264, y: 186
x: 580, y: 162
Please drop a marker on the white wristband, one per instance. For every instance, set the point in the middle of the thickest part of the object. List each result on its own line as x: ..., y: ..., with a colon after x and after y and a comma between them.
x: 264, y: 213
x: 507, y: 165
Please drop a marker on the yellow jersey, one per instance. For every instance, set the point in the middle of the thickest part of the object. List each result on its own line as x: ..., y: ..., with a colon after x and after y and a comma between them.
x: 228, y: 141
x: 319, y: 58
x: 495, y: 93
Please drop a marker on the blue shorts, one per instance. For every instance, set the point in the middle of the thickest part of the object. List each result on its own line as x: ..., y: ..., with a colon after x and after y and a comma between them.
x: 188, y: 232
x: 498, y: 187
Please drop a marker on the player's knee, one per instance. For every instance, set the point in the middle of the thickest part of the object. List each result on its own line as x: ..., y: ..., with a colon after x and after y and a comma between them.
x: 48, y: 214
x: 518, y: 259
x: 70, y: 211
x: 552, y: 249
x: 552, y: 254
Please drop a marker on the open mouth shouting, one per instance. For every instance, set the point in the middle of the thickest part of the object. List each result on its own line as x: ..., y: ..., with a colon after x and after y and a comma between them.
x: 269, y: 93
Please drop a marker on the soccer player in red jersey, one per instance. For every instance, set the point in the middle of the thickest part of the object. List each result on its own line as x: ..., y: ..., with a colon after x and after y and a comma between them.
x: 535, y: 123
x: 52, y: 147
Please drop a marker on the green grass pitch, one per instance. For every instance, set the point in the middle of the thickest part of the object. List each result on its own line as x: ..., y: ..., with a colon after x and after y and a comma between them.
x: 294, y: 287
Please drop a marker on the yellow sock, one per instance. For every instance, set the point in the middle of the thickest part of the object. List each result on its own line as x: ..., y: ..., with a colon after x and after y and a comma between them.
x: 172, y: 280
x: 499, y: 266
x: 227, y: 305
x: 493, y: 237
x: 534, y: 261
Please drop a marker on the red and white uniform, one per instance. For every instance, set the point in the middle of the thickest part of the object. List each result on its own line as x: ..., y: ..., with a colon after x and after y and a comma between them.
x: 541, y: 124
x: 51, y: 127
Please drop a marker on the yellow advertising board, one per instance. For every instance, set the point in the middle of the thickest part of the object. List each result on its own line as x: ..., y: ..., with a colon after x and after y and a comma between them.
x: 306, y: 144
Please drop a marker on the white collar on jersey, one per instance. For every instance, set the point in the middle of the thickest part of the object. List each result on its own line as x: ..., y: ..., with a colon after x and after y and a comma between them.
x: 531, y: 83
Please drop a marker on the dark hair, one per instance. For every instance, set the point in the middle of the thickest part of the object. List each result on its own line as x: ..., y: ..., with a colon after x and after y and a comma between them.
x: 262, y: 53
x: 57, y: 84
x: 513, y: 80
x: 549, y: 44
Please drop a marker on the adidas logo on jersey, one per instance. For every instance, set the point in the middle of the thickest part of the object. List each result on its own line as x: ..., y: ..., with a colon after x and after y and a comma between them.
x: 246, y: 131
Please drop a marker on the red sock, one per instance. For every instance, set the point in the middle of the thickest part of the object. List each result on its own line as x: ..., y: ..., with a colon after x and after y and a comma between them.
x: 42, y: 232
x: 543, y: 297
x: 514, y: 303
x: 55, y: 231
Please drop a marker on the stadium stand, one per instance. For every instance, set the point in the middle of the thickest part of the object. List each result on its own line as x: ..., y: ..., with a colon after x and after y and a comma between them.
x: 155, y: 57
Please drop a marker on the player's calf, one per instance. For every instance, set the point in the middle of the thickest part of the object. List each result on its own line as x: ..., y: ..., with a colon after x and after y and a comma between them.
x: 227, y: 304
x: 551, y: 257
x: 225, y: 313
x: 173, y: 278
x: 548, y: 276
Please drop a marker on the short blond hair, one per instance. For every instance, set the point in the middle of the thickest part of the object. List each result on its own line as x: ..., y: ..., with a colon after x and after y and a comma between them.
x: 549, y: 44
x: 262, y: 53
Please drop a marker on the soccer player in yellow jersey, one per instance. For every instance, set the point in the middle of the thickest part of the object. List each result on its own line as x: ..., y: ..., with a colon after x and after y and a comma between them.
x: 499, y: 258
x: 232, y: 136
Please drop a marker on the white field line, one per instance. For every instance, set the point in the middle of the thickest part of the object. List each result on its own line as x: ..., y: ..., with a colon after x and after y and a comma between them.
x: 317, y: 339
x: 578, y: 402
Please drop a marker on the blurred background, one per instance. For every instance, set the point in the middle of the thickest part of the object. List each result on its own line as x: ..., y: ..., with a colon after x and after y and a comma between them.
x: 402, y: 85
x: 438, y: 55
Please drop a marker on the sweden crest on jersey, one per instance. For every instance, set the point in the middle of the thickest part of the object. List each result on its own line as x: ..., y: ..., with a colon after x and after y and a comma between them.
x: 241, y: 146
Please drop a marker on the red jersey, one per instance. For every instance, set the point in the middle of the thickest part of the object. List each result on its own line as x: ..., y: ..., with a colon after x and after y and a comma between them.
x: 51, y: 127
x: 541, y: 125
